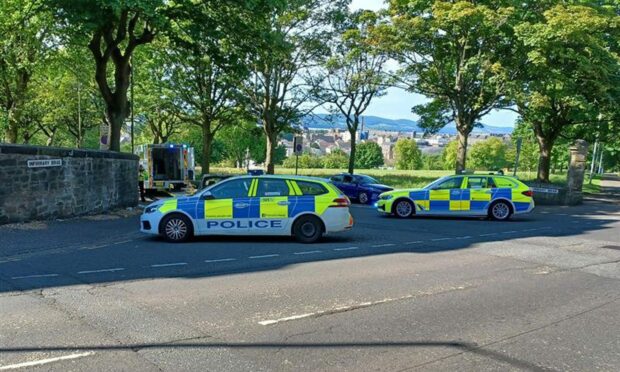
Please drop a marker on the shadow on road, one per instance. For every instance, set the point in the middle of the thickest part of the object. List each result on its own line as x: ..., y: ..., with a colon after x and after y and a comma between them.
x: 458, y: 345
x: 97, y: 252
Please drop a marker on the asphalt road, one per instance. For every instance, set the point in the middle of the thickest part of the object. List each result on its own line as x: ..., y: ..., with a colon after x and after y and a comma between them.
x: 541, y: 292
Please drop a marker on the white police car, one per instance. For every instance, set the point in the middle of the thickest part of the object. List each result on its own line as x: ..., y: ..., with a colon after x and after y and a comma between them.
x: 304, y: 207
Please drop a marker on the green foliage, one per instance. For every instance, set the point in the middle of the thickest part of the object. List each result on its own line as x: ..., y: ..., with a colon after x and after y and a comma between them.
x: 369, y: 155
x: 432, y: 162
x: 407, y: 154
x: 337, y: 159
x: 305, y: 161
x: 449, y: 155
x: 489, y: 154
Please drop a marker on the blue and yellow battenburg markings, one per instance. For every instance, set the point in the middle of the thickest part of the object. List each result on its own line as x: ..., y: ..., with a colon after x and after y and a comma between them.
x: 466, y: 199
x: 275, y: 207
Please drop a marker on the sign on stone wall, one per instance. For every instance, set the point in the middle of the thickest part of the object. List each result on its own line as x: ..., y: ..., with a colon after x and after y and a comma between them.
x: 44, y: 163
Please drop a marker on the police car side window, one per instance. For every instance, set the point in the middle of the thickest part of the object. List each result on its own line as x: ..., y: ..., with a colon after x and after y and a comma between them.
x: 337, y: 178
x: 311, y: 188
x: 504, y: 182
x: 452, y: 183
x: 272, y: 187
x: 232, y: 189
x: 477, y: 183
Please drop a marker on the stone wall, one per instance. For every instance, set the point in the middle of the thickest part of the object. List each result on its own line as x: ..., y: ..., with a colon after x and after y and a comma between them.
x: 87, y: 181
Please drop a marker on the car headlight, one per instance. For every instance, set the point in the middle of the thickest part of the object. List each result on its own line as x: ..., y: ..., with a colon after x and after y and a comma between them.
x: 386, y: 197
x: 151, y: 209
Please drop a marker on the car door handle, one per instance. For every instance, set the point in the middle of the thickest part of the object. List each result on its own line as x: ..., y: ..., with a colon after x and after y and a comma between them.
x: 283, y: 202
x: 242, y: 205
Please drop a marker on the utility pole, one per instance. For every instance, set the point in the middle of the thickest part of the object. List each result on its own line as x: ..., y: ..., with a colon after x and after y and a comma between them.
x: 593, y: 161
x: 600, y: 164
x: 131, y: 70
x: 79, y: 136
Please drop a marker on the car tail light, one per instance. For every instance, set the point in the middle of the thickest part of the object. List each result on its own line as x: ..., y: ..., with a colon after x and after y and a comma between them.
x: 528, y: 193
x: 341, y: 202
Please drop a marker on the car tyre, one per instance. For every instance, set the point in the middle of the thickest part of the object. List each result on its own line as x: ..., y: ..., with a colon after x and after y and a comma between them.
x: 308, y: 229
x: 176, y: 228
x: 500, y: 211
x: 403, y: 208
x: 363, y: 198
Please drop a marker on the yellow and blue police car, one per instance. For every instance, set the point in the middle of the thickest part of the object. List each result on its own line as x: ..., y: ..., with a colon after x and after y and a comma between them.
x: 303, y: 207
x: 495, y: 196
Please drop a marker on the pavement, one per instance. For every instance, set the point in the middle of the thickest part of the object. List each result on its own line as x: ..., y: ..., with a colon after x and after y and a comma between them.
x: 540, y: 292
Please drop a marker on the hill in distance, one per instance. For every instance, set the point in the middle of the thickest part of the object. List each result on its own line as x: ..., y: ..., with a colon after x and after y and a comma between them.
x: 326, y: 121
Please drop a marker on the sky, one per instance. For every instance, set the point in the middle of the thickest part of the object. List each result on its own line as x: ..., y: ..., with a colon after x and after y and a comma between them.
x: 397, y: 103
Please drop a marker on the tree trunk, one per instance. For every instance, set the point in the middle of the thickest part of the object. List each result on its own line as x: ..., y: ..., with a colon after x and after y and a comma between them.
x: 116, y: 117
x: 544, y: 160
x: 352, y: 154
x: 271, y: 149
x: 461, y: 152
x: 207, y: 142
x: 12, y: 131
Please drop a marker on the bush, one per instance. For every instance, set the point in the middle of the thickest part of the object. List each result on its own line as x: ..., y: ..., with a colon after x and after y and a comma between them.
x: 337, y: 159
x: 305, y: 161
x: 368, y: 155
x: 407, y: 154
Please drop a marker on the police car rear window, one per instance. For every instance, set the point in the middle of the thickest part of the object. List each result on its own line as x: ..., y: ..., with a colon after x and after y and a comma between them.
x: 504, y: 182
x: 311, y: 188
x: 272, y: 187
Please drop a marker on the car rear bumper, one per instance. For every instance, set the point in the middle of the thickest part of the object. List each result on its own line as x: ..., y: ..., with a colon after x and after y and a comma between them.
x: 337, y: 220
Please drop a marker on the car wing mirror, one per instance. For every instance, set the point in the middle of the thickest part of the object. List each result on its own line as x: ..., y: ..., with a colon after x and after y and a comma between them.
x: 207, y: 195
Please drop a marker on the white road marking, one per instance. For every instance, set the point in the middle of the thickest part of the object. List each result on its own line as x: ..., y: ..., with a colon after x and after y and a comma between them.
x: 440, y: 239
x: 35, y: 276
x: 221, y: 260
x: 346, y: 249
x: 170, y: 264
x: 361, y: 305
x: 509, y: 232
x: 45, y: 361
x: 382, y: 245
x: 123, y: 242
x: 308, y: 252
x: 264, y: 256
x: 489, y: 234
x: 464, y: 237
x: 102, y: 270
x: 416, y: 242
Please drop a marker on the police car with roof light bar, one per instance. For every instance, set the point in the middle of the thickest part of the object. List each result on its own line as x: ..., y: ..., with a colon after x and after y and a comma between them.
x: 495, y: 196
x: 304, y: 207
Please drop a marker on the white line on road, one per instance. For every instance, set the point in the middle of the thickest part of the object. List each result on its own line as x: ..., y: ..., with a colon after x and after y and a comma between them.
x: 264, y: 256
x: 440, y: 239
x: 346, y: 249
x: 509, y: 232
x: 35, y: 276
x: 416, y: 242
x: 308, y: 252
x: 221, y: 260
x: 341, y: 309
x: 123, y: 242
x: 44, y: 361
x: 489, y: 234
x: 170, y: 264
x: 102, y: 270
x: 464, y: 237
x: 382, y: 245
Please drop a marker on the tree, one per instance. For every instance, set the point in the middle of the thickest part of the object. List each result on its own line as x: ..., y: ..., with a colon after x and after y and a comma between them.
x: 449, y: 155
x: 115, y: 28
x: 489, y: 154
x: 407, y: 154
x: 352, y: 73
x: 26, y: 40
x: 571, y: 76
x: 337, y: 159
x: 294, y: 33
x: 369, y: 155
x: 453, y: 53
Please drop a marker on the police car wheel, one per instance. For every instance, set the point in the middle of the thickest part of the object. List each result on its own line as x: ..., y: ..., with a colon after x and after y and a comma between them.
x: 403, y: 209
x: 363, y: 198
x: 176, y: 228
x: 307, y: 229
x: 500, y: 211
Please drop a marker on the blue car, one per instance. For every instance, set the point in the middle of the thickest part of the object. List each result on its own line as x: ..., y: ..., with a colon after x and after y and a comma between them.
x: 362, y: 188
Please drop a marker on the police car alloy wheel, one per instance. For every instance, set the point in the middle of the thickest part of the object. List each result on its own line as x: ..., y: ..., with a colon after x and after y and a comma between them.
x: 500, y: 211
x: 308, y: 229
x: 403, y: 209
x: 363, y: 197
x: 176, y: 228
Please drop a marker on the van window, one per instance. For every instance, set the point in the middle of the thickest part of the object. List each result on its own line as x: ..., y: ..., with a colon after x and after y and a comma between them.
x: 311, y: 188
